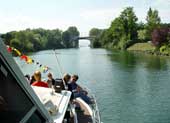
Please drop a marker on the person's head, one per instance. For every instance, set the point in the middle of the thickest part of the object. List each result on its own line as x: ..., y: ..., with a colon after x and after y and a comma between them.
x: 32, y: 79
x: 50, y: 76
x: 37, y: 75
x: 27, y: 76
x: 74, y: 78
x: 66, y: 77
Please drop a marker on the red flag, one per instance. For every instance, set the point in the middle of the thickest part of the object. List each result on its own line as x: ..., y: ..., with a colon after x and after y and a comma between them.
x: 24, y: 57
x: 9, y: 49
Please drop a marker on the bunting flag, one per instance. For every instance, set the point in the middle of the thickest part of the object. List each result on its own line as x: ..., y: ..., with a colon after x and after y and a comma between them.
x: 24, y: 57
x: 17, y: 51
x: 9, y: 49
x: 27, y: 59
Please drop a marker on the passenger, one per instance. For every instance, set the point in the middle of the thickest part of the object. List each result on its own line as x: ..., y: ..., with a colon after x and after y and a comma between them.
x: 38, y: 82
x: 72, y: 85
x: 32, y: 79
x: 50, y: 80
x: 66, y: 79
x: 77, y: 90
x: 62, y: 84
x: 27, y: 76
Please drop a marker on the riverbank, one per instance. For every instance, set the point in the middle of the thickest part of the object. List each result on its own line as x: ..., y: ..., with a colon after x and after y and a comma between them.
x: 148, y: 48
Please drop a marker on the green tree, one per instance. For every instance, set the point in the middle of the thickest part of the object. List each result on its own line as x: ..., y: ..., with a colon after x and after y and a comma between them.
x: 142, y: 35
x: 95, y: 35
x: 73, y: 32
x: 123, y: 29
x: 129, y: 23
x: 54, y: 39
x: 66, y: 39
x: 70, y: 37
x: 39, y: 39
x: 8, y: 37
x: 153, y: 21
x: 15, y: 43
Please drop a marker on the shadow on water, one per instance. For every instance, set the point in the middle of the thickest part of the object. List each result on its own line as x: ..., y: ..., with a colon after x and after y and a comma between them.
x: 131, y: 60
x: 125, y: 59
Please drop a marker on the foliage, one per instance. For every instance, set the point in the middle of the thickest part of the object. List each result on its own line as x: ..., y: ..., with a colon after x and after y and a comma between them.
x: 70, y: 37
x: 66, y: 39
x: 153, y: 21
x: 165, y: 49
x: 142, y: 35
x: 73, y: 32
x: 39, y: 39
x: 121, y: 33
x: 124, y: 31
x: 95, y: 35
x: 128, y: 21
x: 160, y: 36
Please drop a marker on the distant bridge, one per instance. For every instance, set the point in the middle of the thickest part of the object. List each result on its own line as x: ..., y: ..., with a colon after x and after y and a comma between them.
x: 85, y: 37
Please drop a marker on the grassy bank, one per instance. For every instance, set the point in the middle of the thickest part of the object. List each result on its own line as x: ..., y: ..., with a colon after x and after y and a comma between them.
x: 142, y: 47
x: 149, y: 48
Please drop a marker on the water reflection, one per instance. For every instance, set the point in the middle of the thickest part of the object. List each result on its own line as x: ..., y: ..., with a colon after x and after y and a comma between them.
x: 156, y: 63
x: 125, y: 59
x: 142, y: 88
x: 130, y: 60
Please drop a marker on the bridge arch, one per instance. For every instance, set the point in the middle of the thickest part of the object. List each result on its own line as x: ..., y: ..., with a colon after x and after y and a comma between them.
x: 85, y: 40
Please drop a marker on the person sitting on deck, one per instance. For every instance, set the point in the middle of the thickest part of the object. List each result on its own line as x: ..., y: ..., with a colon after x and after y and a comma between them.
x: 72, y: 85
x: 77, y: 90
x: 50, y: 80
x: 38, y: 82
x: 32, y: 79
x: 66, y: 79
x: 61, y: 83
x: 27, y: 77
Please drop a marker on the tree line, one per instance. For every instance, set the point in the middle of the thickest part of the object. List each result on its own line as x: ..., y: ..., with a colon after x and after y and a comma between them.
x: 125, y: 31
x: 31, y: 40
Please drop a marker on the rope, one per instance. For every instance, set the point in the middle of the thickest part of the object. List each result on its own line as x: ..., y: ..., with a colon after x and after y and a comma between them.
x: 61, y: 71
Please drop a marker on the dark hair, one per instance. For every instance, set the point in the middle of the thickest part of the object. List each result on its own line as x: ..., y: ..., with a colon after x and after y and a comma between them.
x: 66, y: 77
x: 76, y: 77
x: 27, y: 76
x: 32, y: 79
x: 49, y: 75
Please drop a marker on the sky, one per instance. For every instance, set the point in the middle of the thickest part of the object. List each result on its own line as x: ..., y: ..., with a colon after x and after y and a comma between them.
x: 84, y: 14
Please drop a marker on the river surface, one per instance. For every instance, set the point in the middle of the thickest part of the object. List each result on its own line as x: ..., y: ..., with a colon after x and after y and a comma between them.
x: 129, y: 87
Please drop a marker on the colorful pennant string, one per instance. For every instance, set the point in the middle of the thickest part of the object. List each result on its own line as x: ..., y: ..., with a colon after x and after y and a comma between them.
x: 27, y: 59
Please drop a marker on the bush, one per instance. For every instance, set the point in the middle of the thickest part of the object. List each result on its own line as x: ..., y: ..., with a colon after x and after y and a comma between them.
x: 165, y: 50
x: 160, y: 36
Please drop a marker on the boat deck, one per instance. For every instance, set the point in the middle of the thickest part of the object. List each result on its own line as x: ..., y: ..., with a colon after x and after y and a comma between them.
x: 84, y: 115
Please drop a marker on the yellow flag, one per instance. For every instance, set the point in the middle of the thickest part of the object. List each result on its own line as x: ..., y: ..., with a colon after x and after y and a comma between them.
x: 17, y: 51
x: 29, y: 61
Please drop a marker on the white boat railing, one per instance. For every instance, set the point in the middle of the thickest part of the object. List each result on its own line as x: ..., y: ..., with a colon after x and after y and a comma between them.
x: 96, y: 113
x: 94, y: 106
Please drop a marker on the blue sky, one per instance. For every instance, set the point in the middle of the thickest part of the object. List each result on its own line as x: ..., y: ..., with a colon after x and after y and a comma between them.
x: 84, y: 14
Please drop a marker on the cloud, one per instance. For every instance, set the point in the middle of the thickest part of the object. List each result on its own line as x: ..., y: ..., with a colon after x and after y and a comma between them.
x: 17, y: 22
x: 102, y: 16
x: 164, y: 4
x: 21, y: 22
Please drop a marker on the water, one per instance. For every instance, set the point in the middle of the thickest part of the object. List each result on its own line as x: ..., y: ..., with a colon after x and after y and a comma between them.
x: 130, y: 88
